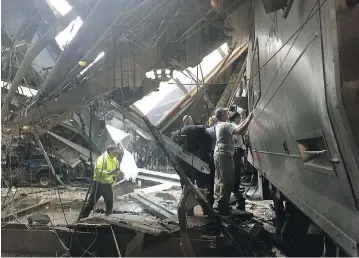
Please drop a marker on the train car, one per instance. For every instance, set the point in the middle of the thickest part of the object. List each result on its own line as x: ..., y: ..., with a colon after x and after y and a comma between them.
x: 303, y: 87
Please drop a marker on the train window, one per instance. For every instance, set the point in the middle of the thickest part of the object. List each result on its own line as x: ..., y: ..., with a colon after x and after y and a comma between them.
x: 254, y: 82
x: 314, y: 153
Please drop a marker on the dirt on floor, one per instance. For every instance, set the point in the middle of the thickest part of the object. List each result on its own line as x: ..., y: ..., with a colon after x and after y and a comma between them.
x: 65, y: 205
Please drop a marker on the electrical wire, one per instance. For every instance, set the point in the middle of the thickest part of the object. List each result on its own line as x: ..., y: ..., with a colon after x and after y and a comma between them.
x: 280, y: 66
x: 207, y: 85
x: 298, y: 31
x: 54, y: 229
x: 284, y: 79
x: 287, y: 41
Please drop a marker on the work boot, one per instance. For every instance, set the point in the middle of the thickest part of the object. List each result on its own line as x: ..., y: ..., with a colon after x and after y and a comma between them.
x: 241, y: 204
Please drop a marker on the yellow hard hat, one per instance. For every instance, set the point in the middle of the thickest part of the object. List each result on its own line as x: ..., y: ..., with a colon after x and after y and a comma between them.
x: 82, y: 63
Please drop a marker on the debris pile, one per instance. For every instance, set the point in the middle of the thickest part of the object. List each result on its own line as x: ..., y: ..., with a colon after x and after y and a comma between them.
x: 144, y: 223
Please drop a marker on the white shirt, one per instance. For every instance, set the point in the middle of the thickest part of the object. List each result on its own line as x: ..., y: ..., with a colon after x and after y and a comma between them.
x: 238, y: 140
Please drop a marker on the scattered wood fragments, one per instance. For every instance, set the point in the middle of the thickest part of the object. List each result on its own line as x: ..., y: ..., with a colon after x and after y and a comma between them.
x: 27, y: 210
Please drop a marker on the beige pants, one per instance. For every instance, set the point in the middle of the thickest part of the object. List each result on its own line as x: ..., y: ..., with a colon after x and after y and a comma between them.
x: 225, y: 177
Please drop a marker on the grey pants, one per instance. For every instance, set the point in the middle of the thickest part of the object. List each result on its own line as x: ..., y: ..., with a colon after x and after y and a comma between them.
x: 224, y: 181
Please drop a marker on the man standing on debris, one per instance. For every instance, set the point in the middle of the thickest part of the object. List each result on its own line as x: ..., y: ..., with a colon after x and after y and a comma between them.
x: 197, y: 141
x: 239, y: 153
x: 223, y: 157
x: 107, y: 167
x: 212, y: 132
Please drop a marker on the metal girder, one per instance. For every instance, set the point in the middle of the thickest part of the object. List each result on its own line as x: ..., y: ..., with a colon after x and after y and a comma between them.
x: 72, y: 99
x: 152, y: 206
x: 180, y: 85
x: 175, y: 149
x: 158, y: 177
x: 189, y: 99
x: 75, y: 146
x: 19, y: 47
x: 232, y: 86
x: 104, y: 13
x: 31, y: 54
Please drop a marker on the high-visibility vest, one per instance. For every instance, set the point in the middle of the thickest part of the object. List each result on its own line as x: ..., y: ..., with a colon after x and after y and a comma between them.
x: 104, y: 165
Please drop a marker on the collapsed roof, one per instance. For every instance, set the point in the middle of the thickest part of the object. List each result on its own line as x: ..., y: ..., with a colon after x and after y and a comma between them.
x: 133, y: 38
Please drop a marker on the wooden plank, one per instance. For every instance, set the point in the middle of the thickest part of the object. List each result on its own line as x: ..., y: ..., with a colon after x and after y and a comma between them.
x: 25, y: 211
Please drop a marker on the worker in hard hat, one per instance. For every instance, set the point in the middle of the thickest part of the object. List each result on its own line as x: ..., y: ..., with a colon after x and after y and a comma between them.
x: 107, y: 167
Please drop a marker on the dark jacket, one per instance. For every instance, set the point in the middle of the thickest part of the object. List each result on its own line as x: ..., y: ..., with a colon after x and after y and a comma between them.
x: 197, y: 141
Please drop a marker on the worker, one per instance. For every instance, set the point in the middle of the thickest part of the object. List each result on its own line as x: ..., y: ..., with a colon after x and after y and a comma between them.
x: 210, y: 181
x: 187, y: 120
x: 239, y: 153
x: 197, y: 141
x: 223, y: 157
x: 107, y: 167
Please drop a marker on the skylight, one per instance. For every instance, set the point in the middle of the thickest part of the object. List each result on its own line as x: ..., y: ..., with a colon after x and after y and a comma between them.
x: 22, y: 90
x: 65, y: 36
x: 62, y: 6
x: 152, y: 100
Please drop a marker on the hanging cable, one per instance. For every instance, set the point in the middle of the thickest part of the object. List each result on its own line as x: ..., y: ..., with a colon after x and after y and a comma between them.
x: 91, y: 162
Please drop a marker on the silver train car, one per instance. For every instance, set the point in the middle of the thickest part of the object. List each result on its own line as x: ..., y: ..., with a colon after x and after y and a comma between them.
x: 303, y: 85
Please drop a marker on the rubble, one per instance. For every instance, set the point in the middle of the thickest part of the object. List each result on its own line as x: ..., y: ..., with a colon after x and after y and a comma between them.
x: 131, y: 216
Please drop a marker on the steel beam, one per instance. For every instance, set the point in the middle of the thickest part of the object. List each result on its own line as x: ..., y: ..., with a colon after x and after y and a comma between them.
x: 75, y: 146
x: 76, y: 97
x: 104, y: 13
x: 159, y: 177
x: 175, y: 149
x: 152, y: 206
x: 179, y: 84
x: 31, y: 54
x: 232, y: 84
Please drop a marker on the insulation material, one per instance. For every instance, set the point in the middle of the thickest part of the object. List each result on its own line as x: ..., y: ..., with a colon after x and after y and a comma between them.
x: 128, y: 165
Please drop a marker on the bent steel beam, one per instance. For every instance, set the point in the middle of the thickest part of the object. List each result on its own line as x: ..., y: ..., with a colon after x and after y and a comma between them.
x: 31, y: 54
x: 93, y: 28
x: 76, y: 97
x: 175, y: 149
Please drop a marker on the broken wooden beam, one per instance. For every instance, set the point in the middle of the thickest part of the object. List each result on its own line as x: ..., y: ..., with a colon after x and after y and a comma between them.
x: 25, y: 211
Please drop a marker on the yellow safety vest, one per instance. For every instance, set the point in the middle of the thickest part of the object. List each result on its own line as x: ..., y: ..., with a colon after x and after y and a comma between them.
x: 104, y: 165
